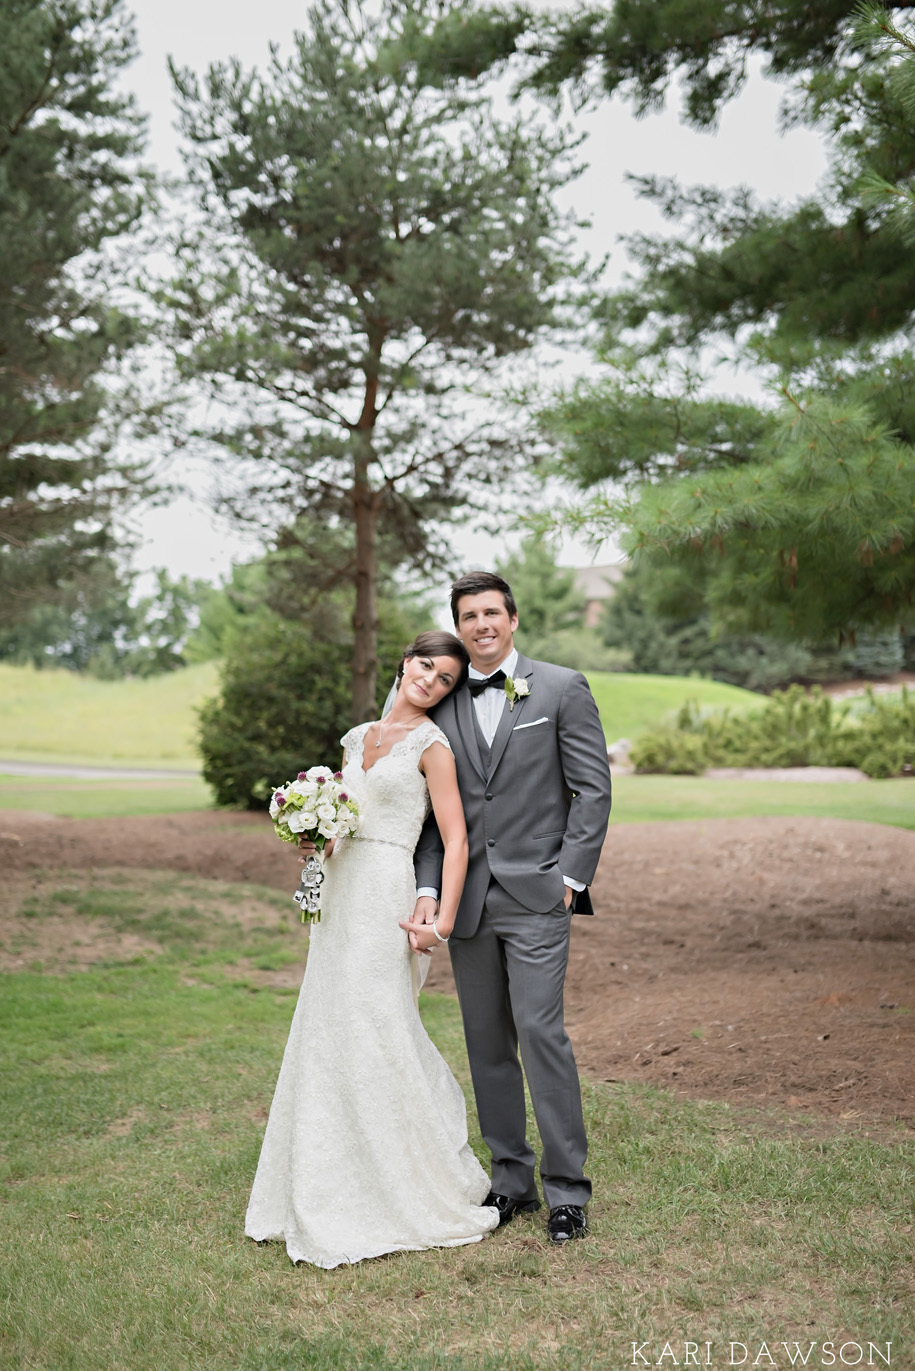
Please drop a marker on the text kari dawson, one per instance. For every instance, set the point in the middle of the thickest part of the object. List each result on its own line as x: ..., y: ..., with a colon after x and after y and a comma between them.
x: 762, y: 1354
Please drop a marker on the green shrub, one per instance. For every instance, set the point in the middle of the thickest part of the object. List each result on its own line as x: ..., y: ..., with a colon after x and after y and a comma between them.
x: 793, y: 729
x: 880, y: 737
x: 878, y: 654
x: 673, y: 751
x: 285, y: 700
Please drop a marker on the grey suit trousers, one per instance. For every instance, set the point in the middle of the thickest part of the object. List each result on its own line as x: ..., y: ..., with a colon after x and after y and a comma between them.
x: 509, y: 978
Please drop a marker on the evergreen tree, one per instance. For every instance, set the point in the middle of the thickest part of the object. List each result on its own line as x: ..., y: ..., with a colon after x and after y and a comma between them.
x: 69, y: 186
x: 683, y: 641
x: 546, y: 591
x: 99, y: 626
x: 638, y: 48
x: 799, y: 517
x: 387, y: 244
x: 551, y: 612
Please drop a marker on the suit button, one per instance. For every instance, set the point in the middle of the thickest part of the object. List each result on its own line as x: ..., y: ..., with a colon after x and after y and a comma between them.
x: 488, y: 796
x: 491, y: 842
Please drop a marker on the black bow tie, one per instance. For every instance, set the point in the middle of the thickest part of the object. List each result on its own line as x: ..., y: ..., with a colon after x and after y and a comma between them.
x: 495, y: 681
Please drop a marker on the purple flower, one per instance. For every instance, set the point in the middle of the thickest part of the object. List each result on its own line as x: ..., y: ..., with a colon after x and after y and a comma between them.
x: 301, y: 776
x: 338, y: 775
x: 343, y: 795
x: 279, y: 798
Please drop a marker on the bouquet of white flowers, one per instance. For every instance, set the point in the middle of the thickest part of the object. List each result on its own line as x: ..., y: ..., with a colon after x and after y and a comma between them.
x: 313, y: 806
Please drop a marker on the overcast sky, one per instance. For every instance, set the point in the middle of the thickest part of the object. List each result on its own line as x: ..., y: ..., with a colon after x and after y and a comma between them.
x: 746, y: 150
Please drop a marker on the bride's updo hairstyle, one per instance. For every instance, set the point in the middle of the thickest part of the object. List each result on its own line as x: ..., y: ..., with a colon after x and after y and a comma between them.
x: 437, y: 643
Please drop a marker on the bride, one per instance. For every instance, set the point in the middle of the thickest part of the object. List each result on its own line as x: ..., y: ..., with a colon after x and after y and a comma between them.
x: 366, y: 1146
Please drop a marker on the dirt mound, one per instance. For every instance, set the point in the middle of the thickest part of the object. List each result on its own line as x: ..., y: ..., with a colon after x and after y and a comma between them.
x: 765, y: 961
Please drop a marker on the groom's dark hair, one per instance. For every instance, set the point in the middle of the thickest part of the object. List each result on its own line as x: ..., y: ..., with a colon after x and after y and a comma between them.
x: 477, y: 583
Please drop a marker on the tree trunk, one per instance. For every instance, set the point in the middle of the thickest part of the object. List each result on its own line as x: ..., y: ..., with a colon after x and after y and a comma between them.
x: 365, y: 612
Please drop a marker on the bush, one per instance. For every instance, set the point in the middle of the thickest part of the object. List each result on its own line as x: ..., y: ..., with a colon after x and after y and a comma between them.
x: 285, y: 701
x: 794, y: 729
x: 578, y: 648
x: 879, y: 655
x: 881, y: 736
x: 666, y: 645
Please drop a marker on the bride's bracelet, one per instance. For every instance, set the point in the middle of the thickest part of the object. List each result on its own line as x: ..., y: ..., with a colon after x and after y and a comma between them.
x: 436, y: 932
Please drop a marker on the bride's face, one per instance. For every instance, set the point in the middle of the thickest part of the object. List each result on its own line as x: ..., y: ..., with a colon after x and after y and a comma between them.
x: 426, y: 680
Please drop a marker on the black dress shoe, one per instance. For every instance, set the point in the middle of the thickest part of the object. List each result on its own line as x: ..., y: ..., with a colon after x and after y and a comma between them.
x: 509, y: 1207
x: 567, y: 1221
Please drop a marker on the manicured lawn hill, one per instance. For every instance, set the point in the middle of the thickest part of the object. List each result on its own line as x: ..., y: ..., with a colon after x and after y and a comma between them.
x: 59, y: 715
x: 637, y: 799
x: 56, y: 715
x: 630, y: 704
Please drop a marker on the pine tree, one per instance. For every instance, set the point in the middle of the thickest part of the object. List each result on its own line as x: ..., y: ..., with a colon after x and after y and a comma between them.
x: 68, y: 187
x: 547, y: 592
x: 798, y: 517
x: 387, y: 245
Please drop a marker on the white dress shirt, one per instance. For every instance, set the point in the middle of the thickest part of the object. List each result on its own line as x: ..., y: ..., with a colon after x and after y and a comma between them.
x: 489, y: 706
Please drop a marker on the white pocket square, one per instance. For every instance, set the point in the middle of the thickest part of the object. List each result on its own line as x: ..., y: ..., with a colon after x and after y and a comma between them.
x: 533, y: 724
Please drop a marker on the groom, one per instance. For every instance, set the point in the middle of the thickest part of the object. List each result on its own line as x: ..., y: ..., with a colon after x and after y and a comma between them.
x: 535, y: 783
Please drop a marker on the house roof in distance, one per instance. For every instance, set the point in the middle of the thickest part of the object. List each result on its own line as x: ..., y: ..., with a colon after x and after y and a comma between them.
x: 598, y: 582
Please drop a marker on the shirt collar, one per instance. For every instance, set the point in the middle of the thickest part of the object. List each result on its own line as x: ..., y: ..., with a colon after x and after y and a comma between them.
x: 508, y: 666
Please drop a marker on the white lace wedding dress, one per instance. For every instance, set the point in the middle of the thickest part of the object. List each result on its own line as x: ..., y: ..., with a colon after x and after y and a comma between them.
x: 366, y: 1145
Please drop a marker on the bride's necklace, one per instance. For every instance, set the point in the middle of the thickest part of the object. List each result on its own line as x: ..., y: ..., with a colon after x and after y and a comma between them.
x: 405, y: 727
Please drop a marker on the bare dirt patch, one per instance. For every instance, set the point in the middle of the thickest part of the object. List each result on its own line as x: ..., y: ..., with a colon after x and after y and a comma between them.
x: 763, y: 961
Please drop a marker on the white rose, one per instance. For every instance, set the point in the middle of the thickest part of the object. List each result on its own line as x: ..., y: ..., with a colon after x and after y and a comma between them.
x: 522, y: 688
x: 318, y: 773
x: 326, y: 812
x: 307, y: 789
x: 297, y: 823
x: 328, y: 830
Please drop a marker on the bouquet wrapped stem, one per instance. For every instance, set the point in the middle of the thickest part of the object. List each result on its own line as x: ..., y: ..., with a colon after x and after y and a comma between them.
x: 313, y: 806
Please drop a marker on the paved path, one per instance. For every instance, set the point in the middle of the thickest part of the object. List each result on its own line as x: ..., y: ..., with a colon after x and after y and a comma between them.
x: 91, y: 773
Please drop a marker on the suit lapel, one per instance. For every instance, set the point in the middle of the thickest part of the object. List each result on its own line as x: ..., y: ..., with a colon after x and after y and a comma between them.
x: 463, y: 714
x: 510, y: 717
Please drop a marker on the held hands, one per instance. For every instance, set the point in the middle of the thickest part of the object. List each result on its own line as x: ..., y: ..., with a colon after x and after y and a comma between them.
x: 419, y: 926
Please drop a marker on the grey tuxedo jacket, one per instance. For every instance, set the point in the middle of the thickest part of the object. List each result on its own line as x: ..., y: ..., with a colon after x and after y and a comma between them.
x: 538, y: 811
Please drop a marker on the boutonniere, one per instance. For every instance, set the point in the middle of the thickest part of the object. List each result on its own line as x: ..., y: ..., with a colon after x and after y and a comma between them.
x: 515, y: 690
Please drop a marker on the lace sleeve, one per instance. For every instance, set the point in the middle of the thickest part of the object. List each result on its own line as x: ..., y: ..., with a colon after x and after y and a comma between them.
x: 352, y: 740
x: 428, y: 734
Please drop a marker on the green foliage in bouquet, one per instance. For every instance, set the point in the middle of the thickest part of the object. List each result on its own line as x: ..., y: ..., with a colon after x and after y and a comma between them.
x: 794, y: 729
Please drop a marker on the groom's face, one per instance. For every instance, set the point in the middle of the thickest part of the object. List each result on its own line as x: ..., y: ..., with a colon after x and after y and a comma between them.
x: 486, y: 629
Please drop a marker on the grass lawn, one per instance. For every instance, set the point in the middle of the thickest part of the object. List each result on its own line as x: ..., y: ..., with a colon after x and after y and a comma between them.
x: 134, y: 1099
x: 60, y: 716
x: 76, y: 799
x: 57, y: 715
x: 636, y: 799
x: 641, y: 799
x: 629, y: 704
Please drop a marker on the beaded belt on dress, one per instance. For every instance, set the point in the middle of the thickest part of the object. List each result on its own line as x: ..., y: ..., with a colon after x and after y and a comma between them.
x: 387, y: 842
